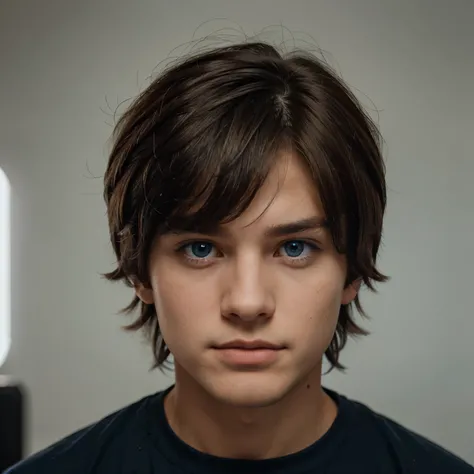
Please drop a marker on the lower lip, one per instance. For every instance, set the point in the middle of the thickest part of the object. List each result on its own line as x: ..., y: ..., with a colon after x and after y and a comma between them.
x: 248, y: 357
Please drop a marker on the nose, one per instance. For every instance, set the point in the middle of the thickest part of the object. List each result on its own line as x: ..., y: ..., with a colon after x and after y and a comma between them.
x: 247, y: 296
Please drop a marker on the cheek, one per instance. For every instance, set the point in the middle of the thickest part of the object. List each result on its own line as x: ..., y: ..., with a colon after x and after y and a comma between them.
x: 182, y: 304
x: 315, y: 312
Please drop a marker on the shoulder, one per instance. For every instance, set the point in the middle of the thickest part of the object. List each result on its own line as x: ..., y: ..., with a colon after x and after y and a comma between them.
x: 82, y: 451
x: 411, y: 451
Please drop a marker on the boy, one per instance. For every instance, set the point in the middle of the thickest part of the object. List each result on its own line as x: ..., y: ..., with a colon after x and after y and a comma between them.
x: 245, y: 195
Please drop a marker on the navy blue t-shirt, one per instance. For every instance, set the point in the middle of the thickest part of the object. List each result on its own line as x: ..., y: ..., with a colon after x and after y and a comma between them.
x: 138, y: 440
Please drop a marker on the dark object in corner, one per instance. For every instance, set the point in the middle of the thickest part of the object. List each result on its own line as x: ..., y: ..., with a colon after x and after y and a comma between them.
x: 11, y: 422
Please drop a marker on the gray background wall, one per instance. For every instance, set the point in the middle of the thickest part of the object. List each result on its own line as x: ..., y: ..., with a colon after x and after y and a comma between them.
x: 62, y: 61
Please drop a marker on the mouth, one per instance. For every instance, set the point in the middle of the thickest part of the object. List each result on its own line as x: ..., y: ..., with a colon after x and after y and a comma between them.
x: 249, y: 354
x: 254, y: 345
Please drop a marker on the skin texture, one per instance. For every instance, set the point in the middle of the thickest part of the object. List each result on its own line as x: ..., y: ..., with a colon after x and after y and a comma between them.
x: 244, y: 283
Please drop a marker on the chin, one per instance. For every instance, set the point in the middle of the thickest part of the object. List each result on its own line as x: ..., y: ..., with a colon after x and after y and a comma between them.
x: 249, y: 389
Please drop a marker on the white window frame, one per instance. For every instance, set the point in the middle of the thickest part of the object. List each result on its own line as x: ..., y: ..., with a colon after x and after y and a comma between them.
x: 5, y: 262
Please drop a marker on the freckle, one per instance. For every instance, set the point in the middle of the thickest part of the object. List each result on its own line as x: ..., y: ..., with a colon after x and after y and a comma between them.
x: 308, y: 386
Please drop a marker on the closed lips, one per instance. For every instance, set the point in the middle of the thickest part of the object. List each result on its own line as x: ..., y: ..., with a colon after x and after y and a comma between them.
x: 250, y: 345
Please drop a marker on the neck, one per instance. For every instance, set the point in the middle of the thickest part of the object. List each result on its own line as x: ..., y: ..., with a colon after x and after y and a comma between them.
x: 295, y: 422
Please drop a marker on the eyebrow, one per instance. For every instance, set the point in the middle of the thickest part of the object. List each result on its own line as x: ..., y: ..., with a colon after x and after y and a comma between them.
x: 279, y: 230
x: 302, y: 225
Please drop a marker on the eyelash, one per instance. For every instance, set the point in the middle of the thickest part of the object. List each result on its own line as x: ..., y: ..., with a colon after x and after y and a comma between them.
x: 313, y: 248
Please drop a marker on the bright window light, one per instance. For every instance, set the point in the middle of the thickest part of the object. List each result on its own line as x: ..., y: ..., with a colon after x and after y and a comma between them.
x: 4, y: 267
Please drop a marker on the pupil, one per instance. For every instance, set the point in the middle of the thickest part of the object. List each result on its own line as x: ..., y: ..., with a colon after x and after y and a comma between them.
x: 294, y: 249
x: 201, y: 250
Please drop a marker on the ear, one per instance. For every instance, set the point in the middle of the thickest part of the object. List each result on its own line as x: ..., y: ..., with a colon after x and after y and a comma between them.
x: 351, y: 291
x: 144, y: 293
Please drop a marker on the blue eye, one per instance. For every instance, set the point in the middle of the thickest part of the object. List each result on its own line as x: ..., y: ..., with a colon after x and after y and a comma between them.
x: 198, y: 249
x: 296, y: 248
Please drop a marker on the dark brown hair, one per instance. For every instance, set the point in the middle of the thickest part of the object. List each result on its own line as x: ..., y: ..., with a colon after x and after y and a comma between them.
x: 208, y: 130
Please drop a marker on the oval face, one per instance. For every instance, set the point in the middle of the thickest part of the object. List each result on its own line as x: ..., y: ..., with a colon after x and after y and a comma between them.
x: 248, y: 309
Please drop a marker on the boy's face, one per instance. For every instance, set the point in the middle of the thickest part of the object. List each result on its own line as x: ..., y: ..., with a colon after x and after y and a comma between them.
x: 250, y: 283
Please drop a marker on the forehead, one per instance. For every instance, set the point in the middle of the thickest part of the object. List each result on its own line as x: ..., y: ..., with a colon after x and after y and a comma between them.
x: 288, y: 194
